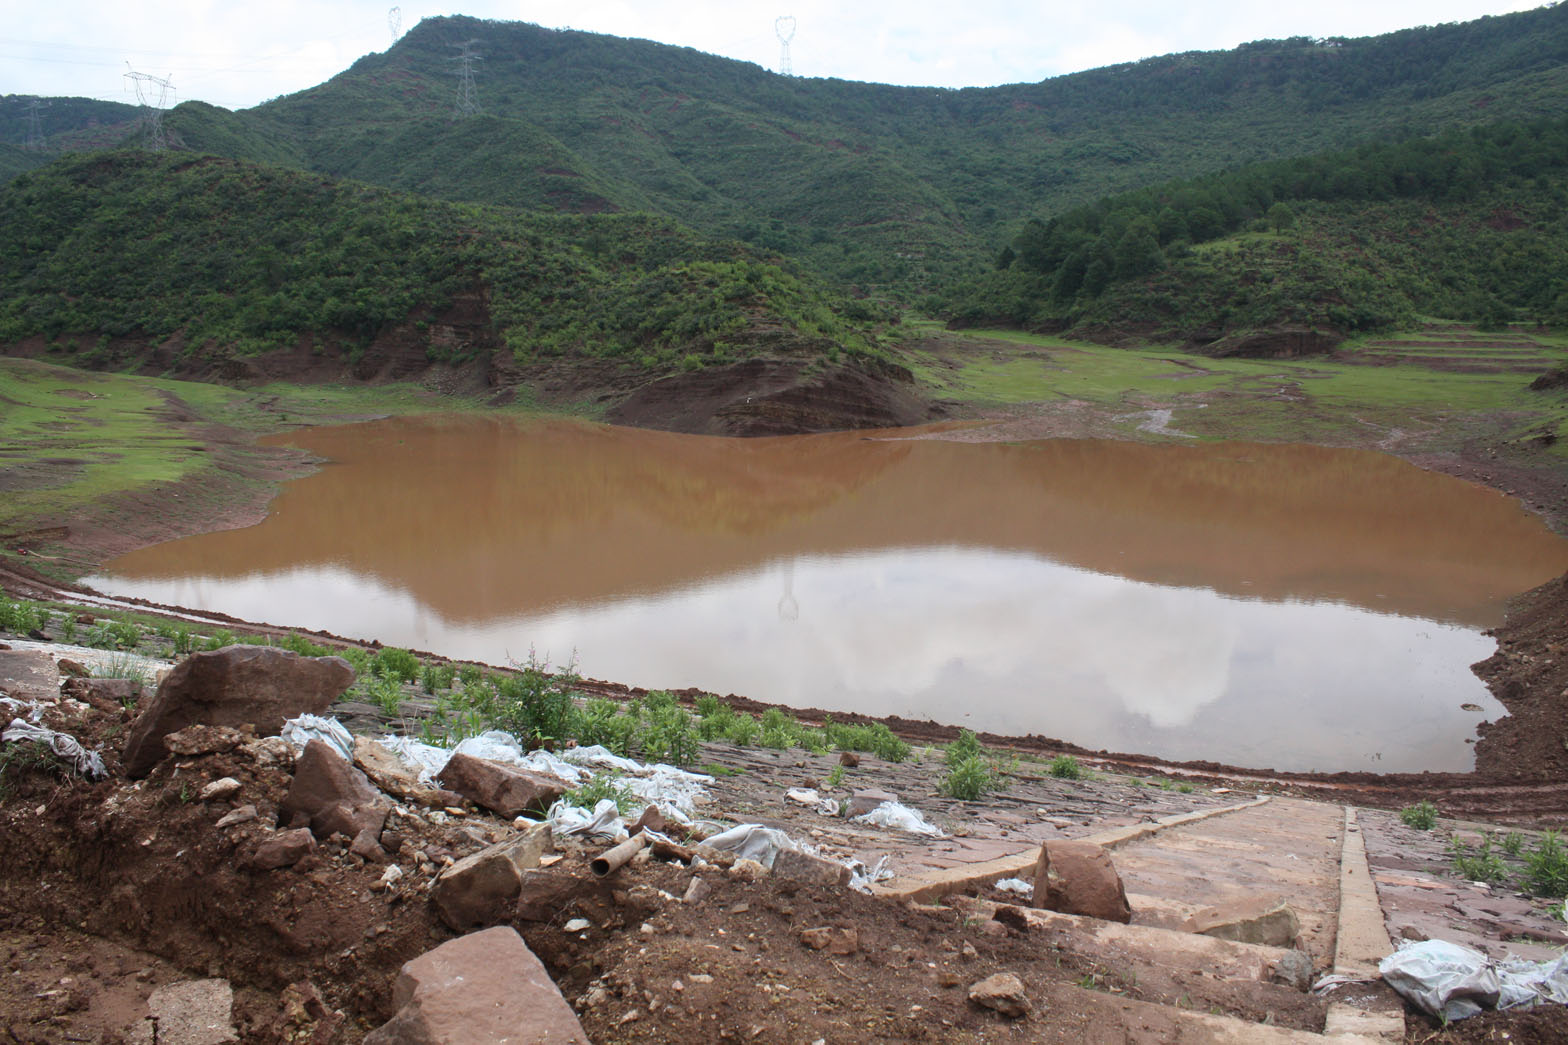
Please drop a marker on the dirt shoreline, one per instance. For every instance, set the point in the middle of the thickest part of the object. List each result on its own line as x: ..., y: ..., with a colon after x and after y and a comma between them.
x: 1520, y: 760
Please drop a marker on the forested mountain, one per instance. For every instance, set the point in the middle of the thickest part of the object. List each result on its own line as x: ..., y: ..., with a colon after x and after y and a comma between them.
x: 895, y: 189
x: 1470, y: 224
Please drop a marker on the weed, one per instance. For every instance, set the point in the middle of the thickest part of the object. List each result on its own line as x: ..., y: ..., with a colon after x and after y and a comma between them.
x: 1185, y: 789
x: 224, y: 637
x: 606, y: 785
x: 669, y: 736
x: 68, y: 629
x: 386, y: 694
x: 303, y: 646
x: 21, y: 757
x: 1422, y: 816
x: 594, y: 722
x: 184, y: 641
x: 835, y: 776
x: 1065, y: 767
x: 1513, y: 844
x: 969, y: 774
x: 1546, y: 869
x: 1479, y: 864
x: 714, y: 769
x: 469, y: 674
x: 537, y: 705
x: 394, y: 663
x: 124, y: 666
x: 742, y: 731
x: 966, y: 747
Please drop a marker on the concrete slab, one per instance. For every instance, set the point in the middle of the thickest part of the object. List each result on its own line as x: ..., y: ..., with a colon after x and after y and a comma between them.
x: 1362, y: 940
x: 28, y: 675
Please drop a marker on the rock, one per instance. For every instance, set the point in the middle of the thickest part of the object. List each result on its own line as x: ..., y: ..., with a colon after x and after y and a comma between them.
x: 103, y: 694
x: 803, y: 867
x: 203, y: 740
x: 482, y: 889
x: 366, y: 847
x: 194, y: 1012
x: 1293, y: 969
x: 390, y: 877
x: 237, y: 685
x: 544, y: 893
x: 848, y: 759
x: 1079, y: 878
x: 283, y: 849
x: 696, y: 892
x: 1272, y: 923
x: 389, y: 773
x: 29, y: 676
x: 73, y: 668
x: 334, y: 795
x: 220, y: 790
x: 1004, y: 993
x: 863, y: 802
x: 501, y: 789
x: 650, y: 820
x: 305, y: 1018
x: 483, y: 987
x: 268, y: 751
x: 834, y: 941
x: 241, y: 815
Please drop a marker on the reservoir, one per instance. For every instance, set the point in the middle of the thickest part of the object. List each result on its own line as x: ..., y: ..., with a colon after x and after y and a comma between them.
x: 1279, y: 606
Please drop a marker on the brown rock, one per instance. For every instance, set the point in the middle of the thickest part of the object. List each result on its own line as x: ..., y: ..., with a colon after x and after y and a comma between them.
x: 834, y: 941
x: 501, y: 789
x: 333, y: 794
x: 803, y: 867
x: 73, y: 668
x: 233, y: 686
x: 103, y: 694
x: 848, y: 759
x: 366, y: 847
x: 203, y: 740
x: 483, y: 987
x: 863, y: 802
x: 482, y: 889
x: 388, y: 772
x: 1079, y: 878
x: 544, y: 893
x: 1004, y: 993
x: 650, y: 820
x: 283, y: 849
x: 1248, y: 921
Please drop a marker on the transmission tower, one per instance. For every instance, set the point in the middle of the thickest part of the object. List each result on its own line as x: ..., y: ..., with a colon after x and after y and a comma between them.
x: 35, y: 134
x: 784, y: 26
x: 152, y: 93
x: 395, y: 22
x: 467, y: 97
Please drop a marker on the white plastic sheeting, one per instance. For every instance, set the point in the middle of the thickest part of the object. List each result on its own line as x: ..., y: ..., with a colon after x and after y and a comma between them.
x: 603, y: 823
x: 1015, y: 885
x: 1452, y: 982
x: 755, y: 842
x: 900, y: 817
x: 88, y: 763
x: 302, y: 730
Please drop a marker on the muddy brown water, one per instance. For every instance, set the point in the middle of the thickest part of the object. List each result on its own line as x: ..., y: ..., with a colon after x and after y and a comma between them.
x: 1291, y: 607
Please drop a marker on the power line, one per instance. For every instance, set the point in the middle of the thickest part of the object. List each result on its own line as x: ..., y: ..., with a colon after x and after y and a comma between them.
x: 35, y: 136
x: 395, y: 23
x: 784, y: 28
x: 467, y: 96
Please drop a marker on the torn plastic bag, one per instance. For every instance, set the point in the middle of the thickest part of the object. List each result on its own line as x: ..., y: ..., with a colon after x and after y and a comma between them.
x: 35, y: 711
x: 900, y: 817
x: 755, y: 842
x: 1528, y: 983
x: 1442, y: 979
x: 425, y: 759
x: 302, y: 730
x: 603, y: 823
x: 1015, y: 885
x: 88, y: 763
x: 861, y: 878
x: 600, y: 757
x: 498, y: 746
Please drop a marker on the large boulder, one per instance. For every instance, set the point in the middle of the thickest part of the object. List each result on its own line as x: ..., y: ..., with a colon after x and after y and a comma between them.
x: 1079, y: 878
x: 480, y: 988
x: 502, y: 789
x: 482, y: 888
x: 258, y: 686
x: 335, y: 797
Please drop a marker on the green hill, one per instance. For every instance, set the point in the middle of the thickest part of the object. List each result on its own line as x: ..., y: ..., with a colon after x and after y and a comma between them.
x: 898, y: 189
x: 189, y: 264
x: 1469, y: 225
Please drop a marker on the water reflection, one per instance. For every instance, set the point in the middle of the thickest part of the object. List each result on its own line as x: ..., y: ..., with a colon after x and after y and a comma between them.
x: 1287, y: 606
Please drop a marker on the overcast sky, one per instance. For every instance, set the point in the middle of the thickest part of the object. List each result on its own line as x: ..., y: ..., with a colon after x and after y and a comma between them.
x: 237, y: 55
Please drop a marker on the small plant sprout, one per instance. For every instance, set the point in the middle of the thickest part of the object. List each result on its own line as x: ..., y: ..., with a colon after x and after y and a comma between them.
x: 1422, y: 816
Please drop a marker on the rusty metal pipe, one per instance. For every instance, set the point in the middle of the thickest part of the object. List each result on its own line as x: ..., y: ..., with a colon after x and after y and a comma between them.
x: 614, y: 859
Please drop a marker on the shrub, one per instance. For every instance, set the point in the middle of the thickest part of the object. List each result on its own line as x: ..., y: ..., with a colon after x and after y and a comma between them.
x: 967, y: 779
x: 966, y: 747
x: 394, y: 663
x: 224, y: 637
x: 742, y: 731
x: 303, y: 646
x: 436, y: 677
x: 1546, y: 869
x: 1422, y: 816
x: 1479, y: 864
x: 537, y: 705
x: 669, y: 736
x: 386, y: 693
x: 1065, y: 767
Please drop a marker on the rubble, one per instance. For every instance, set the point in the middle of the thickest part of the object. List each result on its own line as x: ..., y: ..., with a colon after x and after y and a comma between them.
x: 1004, y: 993
x: 331, y: 796
x: 259, y: 686
x: 1079, y: 878
x: 501, y: 789
x: 482, y: 889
